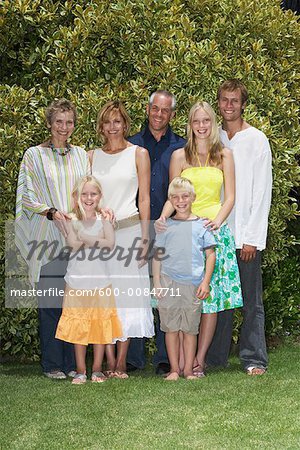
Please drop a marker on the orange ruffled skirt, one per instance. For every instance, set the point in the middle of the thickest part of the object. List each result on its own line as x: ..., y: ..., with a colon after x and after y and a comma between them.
x: 89, y: 318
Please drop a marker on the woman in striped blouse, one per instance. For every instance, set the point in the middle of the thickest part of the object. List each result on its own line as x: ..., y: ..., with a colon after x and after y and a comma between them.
x: 47, y: 176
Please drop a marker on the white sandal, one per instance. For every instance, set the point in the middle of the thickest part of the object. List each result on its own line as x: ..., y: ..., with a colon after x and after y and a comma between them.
x: 98, y: 377
x: 80, y: 378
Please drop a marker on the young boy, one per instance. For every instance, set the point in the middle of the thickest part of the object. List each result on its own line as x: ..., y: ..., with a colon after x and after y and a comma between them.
x: 181, y: 278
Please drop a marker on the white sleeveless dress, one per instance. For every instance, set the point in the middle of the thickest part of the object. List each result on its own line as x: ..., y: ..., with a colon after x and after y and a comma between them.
x: 84, y: 272
x: 117, y: 174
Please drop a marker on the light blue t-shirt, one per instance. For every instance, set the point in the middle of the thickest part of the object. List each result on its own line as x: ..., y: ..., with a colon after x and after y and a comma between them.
x: 184, y: 242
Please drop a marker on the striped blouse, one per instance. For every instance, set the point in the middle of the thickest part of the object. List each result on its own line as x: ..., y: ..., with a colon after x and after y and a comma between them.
x: 46, y: 180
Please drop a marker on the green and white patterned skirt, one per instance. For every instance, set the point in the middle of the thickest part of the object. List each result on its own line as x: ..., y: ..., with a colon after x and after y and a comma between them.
x: 225, y: 286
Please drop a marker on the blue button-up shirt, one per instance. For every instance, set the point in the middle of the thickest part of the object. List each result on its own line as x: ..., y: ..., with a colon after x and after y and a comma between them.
x: 160, y: 153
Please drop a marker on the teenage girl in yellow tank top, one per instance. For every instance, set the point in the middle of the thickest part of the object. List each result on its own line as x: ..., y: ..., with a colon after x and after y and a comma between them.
x: 210, y: 167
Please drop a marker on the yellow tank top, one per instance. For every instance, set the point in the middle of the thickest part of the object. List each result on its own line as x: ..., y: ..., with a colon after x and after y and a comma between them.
x: 208, y: 183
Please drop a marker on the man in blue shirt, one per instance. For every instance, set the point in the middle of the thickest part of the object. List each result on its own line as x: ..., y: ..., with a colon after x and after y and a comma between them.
x: 160, y: 141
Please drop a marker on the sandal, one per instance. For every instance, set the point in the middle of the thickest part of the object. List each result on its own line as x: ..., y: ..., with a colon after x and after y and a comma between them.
x: 253, y: 370
x: 109, y: 373
x: 198, y: 371
x: 98, y: 377
x: 120, y: 375
x: 80, y: 378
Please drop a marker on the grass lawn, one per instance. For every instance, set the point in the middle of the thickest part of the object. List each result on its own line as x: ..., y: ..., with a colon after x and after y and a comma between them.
x: 225, y: 410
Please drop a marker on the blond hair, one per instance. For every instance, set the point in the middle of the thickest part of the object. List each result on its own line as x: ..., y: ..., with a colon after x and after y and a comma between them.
x: 180, y: 184
x: 78, y: 209
x: 109, y: 110
x: 215, y: 151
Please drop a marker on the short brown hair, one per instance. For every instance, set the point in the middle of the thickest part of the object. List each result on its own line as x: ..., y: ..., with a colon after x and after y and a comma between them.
x: 231, y: 85
x: 108, y: 109
x: 62, y: 104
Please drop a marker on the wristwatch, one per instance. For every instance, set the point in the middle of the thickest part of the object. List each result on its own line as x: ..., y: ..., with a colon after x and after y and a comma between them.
x: 51, y: 213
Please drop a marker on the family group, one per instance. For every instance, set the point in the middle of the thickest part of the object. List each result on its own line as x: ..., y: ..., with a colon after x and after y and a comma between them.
x: 204, y: 203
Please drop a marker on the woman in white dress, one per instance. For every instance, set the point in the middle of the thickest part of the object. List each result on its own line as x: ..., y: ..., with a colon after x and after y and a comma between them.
x: 123, y: 170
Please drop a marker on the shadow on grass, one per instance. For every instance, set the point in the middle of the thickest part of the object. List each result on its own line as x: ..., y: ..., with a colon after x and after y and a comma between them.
x: 34, y: 369
x: 20, y: 370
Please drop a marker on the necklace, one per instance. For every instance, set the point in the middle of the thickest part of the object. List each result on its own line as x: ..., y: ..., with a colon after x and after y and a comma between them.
x: 206, y: 162
x: 56, y: 150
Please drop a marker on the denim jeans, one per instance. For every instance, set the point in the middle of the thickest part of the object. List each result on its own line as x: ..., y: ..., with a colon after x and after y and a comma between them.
x: 252, y: 344
x: 55, y: 354
x: 136, y: 352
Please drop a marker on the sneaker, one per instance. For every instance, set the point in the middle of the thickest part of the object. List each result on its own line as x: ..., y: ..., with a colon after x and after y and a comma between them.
x: 162, y: 368
x: 131, y: 368
x: 55, y: 375
x: 72, y: 373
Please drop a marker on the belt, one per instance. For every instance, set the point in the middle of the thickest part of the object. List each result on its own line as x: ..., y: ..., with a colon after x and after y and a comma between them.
x: 128, y: 222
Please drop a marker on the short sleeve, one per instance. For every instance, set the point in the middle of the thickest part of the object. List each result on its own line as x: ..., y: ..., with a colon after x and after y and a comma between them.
x: 160, y: 240
x: 208, y: 240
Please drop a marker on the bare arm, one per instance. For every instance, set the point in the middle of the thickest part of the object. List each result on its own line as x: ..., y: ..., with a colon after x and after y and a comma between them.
x: 156, y: 267
x: 229, y: 190
x: 176, y: 167
x: 143, y: 171
x: 203, y: 289
x: 105, y: 238
x: 72, y: 238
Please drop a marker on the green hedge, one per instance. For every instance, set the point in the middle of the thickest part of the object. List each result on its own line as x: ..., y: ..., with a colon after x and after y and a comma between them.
x: 93, y: 51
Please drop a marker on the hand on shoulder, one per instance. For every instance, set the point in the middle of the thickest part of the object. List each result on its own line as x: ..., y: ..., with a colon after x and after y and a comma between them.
x: 108, y: 214
x: 160, y: 225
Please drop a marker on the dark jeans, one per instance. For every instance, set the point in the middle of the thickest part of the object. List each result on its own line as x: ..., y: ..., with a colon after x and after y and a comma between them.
x: 55, y: 354
x: 160, y: 356
x: 136, y: 353
x: 253, y: 351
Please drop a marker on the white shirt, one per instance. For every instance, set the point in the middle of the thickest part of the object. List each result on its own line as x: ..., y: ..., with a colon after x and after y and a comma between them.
x: 253, y: 177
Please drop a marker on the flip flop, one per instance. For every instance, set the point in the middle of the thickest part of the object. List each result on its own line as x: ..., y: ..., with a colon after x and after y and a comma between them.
x: 109, y: 373
x: 120, y: 375
x: 80, y: 378
x: 198, y: 371
x: 98, y: 377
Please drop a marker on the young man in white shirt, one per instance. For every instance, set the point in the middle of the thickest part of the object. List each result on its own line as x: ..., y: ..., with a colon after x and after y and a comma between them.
x: 249, y: 222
